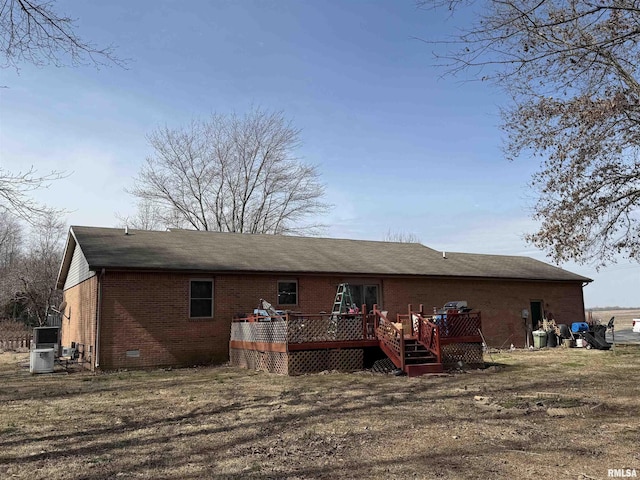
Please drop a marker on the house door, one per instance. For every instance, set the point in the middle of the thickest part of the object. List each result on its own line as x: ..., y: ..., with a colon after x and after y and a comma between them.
x: 536, y: 314
x: 534, y: 321
x: 364, y: 294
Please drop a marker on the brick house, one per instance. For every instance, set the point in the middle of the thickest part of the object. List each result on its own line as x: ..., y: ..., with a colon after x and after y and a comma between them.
x: 147, y: 298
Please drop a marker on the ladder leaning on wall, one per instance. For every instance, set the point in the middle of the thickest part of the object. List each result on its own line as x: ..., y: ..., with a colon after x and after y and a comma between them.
x: 343, y: 301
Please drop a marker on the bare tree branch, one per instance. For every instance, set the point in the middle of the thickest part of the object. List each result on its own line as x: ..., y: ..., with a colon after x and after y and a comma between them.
x: 401, y: 237
x: 31, y: 31
x: 15, y: 190
x: 571, y: 69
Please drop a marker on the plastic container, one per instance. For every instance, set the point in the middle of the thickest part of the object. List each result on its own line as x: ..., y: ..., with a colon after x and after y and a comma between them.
x: 579, y: 343
x: 552, y: 339
x: 539, y: 338
x: 579, y: 327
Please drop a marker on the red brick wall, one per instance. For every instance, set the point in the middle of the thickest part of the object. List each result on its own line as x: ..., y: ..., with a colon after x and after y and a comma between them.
x: 149, y: 312
x: 501, y: 302
x: 81, y: 310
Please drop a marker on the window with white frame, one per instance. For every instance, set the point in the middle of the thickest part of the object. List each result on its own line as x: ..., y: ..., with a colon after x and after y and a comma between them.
x: 287, y: 292
x: 201, y: 298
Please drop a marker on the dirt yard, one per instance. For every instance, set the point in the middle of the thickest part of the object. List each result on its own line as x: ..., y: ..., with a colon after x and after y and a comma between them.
x: 221, y: 422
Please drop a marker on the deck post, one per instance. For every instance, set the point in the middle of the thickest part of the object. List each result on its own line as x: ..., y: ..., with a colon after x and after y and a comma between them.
x: 363, y: 312
x: 286, y: 333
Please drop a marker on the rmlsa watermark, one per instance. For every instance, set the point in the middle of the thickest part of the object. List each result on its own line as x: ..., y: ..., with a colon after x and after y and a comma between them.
x: 622, y: 473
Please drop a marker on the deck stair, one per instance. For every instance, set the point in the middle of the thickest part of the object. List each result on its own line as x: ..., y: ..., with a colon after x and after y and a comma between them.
x: 418, y: 360
x: 406, y: 350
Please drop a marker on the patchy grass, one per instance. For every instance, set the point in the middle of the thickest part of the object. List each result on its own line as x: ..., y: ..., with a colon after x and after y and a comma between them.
x: 221, y: 422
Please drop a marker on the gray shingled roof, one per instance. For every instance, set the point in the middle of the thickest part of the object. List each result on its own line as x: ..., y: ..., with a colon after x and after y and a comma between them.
x: 230, y: 252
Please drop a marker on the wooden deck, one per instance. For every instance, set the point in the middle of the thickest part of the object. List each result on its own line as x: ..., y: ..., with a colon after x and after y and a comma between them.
x: 300, y: 343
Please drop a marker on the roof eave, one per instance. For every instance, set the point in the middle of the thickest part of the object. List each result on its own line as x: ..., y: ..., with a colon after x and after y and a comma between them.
x: 98, y: 267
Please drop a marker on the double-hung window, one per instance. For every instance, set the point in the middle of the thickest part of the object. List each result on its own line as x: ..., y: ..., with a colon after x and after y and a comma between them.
x: 287, y: 292
x: 201, y: 298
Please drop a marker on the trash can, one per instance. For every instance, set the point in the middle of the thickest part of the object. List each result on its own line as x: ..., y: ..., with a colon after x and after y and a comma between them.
x: 539, y: 338
x: 552, y: 339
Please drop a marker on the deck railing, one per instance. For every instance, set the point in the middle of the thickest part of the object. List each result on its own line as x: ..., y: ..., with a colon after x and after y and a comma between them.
x: 391, y: 337
x: 448, y: 337
x: 428, y: 334
x: 461, y: 326
x: 324, y: 328
x: 369, y: 326
x: 298, y: 328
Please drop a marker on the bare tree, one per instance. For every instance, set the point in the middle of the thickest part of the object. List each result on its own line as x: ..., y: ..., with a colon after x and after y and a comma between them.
x: 401, y: 237
x: 31, y: 279
x: 148, y: 216
x: 10, y: 240
x: 571, y: 68
x: 10, y: 253
x: 32, y: 31
x: 231, y: 174
x: 15, y: 190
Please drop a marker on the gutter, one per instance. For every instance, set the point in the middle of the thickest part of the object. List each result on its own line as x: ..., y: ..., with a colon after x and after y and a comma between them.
x: 439, y: 276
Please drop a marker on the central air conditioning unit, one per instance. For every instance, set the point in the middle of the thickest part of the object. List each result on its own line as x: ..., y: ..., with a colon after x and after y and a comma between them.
x: 46, y: 337
x: 69, y: 352
x: 41, y: 360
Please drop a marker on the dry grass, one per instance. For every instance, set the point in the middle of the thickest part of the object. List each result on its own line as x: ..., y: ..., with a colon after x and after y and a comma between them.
x: 221, y: 422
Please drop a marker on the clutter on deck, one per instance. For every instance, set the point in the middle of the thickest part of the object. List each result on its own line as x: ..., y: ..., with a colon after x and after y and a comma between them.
x: 294, y: 343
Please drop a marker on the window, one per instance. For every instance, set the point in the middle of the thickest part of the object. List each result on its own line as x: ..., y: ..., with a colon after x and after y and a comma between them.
x: 201, y: 299
x: 287, y: 292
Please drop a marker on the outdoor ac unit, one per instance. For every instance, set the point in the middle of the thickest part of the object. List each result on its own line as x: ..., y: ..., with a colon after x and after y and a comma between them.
x: 68, y: 352
x: 41, y: 360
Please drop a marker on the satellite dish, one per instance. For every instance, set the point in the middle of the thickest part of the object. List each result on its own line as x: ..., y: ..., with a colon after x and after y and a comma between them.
x: 62, y: 306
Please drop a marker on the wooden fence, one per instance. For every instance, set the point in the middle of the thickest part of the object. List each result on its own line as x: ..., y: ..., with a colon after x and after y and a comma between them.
x: 15, y: 343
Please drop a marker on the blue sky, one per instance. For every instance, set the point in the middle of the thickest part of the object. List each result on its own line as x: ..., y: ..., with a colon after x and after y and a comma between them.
x: 399, y: 147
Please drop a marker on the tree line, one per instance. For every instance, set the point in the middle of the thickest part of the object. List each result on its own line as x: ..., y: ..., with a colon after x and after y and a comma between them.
x: 29, y: 262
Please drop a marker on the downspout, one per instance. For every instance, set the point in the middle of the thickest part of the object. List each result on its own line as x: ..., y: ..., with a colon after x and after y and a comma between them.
x: 96, y: 348
x: 584, y: 314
